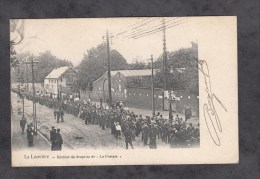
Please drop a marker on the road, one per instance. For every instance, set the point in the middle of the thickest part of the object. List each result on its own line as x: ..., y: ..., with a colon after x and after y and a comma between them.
x: 19, y: 140
x: 77, y: 135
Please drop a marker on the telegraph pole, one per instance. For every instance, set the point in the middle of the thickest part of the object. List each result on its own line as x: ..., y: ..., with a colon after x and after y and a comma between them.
x: 108, y: 71
x: 22, y: 94
x: 27, y: 83
x: 34, y: 101
x: 153, y: 103
x: 164, y: 60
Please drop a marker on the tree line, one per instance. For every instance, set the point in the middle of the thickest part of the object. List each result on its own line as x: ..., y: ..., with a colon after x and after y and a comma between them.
x: 182, y: 68
x: 46, y: 63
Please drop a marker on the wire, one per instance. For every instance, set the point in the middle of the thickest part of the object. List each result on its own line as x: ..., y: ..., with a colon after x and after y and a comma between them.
x: 139, y: 26
x: 131, y: 26
x: 143, y: 33
x: 158, y: 29
x: 143, y: 30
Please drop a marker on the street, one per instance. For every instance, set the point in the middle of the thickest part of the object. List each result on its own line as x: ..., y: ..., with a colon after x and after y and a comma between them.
x: 76, y: 135
x: 19, y: 140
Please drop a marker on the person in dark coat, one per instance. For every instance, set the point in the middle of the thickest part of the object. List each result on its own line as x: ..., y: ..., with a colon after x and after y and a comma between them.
x: 29, y: 136
x: 58, y: 140
x: 62, y: 115
x: 138, y: 127
x: 85, y: 117
x: 145, y: 133
x: 55, y: 112
x: 152, y: 135
x: 103, y: 121
x: 128, y: 138
x: 58, y: 116
x: 52, y: 137
x: 188, y: 113
x: 22, y: 124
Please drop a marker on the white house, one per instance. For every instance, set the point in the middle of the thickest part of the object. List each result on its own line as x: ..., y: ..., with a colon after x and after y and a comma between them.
x: 60, y: 80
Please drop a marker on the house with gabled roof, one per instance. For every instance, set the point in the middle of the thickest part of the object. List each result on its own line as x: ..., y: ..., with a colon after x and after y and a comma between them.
x: 121, y: 80
x: 60, y: 81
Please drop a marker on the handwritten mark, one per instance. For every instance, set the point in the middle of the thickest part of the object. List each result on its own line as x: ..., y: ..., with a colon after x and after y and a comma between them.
x: 209, y: 109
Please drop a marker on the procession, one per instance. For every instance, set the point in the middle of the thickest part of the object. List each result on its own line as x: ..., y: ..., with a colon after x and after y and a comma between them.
x: 105, y: 95
x: 123, y: 124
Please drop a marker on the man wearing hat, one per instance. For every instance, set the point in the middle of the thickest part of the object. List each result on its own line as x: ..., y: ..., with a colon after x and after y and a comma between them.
x: 128, y: 137
x: 145, y: 133
x: 29, y: 135
x: 22, y: 124
x: 152, y: 135
x: 58, y: 140
x: 52, y: 137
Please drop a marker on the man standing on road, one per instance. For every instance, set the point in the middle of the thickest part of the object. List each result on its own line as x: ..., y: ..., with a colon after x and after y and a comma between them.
x: 22, y: 124
x: 62, y: 114
x: 55, y: 112
x: 29, y: 136
x: 58, y: 116
x: 152, y: 135
x: 58, y: 140
x: 145, y: 133
x: 128, y: 137
x: 118, y: 130
x: 103, y: 121
x: 52, y: 137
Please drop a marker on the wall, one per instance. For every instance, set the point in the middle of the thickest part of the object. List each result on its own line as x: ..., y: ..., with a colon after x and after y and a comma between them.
x: 100, y: 88
x: 186, y: 99
x: 142, y: 98
x: 131, y: 97
x: 51, y: 85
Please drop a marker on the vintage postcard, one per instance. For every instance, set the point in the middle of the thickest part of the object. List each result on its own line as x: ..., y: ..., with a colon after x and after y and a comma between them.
x: 124, y: 91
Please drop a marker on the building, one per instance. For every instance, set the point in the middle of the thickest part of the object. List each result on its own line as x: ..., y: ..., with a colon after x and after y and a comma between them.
x: 61, y: 81
x: 121, y: 80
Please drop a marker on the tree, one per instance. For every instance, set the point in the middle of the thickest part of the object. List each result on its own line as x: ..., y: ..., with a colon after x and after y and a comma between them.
x: 94, y: 65
x: 137, y: 66
x: 16, y: 37
x: 182, y: 71
x: 47, y: 62
x: 13, y: 58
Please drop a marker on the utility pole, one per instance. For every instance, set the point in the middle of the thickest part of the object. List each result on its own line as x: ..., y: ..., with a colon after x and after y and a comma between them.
x: 18, y: 79
x: 108, y: 71
x: 153, y: 103
x: 164, y: 60
x: 34, y: 101
x: 27, y: 83
x: 22, y: 92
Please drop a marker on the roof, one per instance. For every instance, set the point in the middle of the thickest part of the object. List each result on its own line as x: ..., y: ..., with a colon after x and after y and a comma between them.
x: 133, y: 73
x: 130, y: 73
x: 57, y: 72
x: 113, y: 73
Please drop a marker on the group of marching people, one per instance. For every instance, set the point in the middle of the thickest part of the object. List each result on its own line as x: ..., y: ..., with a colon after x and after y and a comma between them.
x: 124, y: 123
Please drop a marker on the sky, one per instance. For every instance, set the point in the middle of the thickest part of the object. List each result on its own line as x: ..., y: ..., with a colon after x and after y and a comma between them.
x: 71, y: 38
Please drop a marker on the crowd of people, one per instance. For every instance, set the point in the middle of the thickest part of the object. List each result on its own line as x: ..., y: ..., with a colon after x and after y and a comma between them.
x: 123, y: 123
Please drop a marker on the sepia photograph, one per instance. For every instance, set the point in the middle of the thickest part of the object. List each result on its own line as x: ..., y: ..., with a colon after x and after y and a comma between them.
x: 118, y: 85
